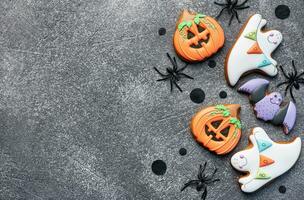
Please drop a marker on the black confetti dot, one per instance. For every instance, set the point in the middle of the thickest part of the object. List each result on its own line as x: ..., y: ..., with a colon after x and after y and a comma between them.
x: 182, y: 151
x: 162, y: 31
x: 223, y: 94
x: 159, y: 167
x: 211, y: 63
x: 282, y: 12
x: 197, y: 95
x: 282, y: 189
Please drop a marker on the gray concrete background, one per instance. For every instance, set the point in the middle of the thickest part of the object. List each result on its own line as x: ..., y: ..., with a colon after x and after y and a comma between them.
x: 82, y: 116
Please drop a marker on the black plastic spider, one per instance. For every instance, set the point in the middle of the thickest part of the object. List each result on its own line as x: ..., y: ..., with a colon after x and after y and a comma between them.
x: 173, y: 74
x: 293, y: 80
x: 202, y: 181
x: 232, y: 7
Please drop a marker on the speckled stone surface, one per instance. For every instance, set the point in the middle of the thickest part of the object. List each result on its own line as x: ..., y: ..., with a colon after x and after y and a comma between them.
x: 82, y: 116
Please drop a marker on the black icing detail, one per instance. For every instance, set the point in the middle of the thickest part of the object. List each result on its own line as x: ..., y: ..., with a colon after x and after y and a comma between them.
x: 197, y: 95
x: 282, y: 189
x: 258, y: 94
x: 211, y: 63
x: 223, y: 94
x: 182, y: 151
x: 280, y: 116
x: 159, y: 167
x: 213, y: 135
x: 282, y: 11
x: 162, y: 31
x: 190, y: 35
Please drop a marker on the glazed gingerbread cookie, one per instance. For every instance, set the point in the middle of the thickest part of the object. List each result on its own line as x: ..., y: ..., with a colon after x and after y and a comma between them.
x: 267, y: 106
x: 264, y: 159
x: 197, y: 36
x: 217, y: 128
x: 252, y: 50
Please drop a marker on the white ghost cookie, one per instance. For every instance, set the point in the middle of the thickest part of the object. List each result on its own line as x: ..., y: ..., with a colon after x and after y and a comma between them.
x: 252, y: 50
x: 264, y: 160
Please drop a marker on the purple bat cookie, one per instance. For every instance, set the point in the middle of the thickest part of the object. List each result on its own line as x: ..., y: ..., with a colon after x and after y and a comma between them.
x: 267, y: 106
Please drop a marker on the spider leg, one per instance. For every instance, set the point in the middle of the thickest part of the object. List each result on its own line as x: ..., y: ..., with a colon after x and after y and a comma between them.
x: 294, y: 67
x: 241, y: 8
x: 203, y: 169
x: 237, y: 16
x: 192, y: 182
x: 218, y: 16
x: 280, y: 84
x: 212, y: 181
x: 291, y: 94
x: 204, y: 195
x: 177, y: 86
x: 234, y: 3
x: 243, y: 3
x: 300, y: 75
x: 231, y: 18
x: 219, y: 4
x: 199, y: 175
x: 158, y: 71
x: 286, y: 89
x: 174, y: 66
x: 300, y: 80
x: 171, y: 85
x: 185, y: 75
x: 290, y: 74
x: 211, y: 175
x: 171, y: 60
x: 284, y: 73
x: 163, y: 79
x: 183, y: 68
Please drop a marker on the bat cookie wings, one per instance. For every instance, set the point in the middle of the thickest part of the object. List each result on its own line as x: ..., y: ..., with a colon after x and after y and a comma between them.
x: 268, y: 105
x: 252, y: 50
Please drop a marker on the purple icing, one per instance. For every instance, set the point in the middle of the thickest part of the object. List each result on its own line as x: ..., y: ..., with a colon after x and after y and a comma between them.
x: 290, y: 118
x: 251, y: 85
x: 265, y: 109
x: 268, y: 108
x: 275, y: 98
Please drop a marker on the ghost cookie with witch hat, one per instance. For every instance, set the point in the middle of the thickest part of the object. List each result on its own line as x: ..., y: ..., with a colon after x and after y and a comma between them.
x: 252, y: 51
x: 264, y: 159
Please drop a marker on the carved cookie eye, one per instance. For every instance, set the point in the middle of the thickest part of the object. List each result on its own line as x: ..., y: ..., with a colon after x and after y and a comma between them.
x: 242, y: 156
x: 271, y: 34
x: 275, y: 96
x: 197, y: 36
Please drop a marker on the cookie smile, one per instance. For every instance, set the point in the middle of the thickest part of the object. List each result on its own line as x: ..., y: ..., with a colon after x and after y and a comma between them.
x: 274, y: 102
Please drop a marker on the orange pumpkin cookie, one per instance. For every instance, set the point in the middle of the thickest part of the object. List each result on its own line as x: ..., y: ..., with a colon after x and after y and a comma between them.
x: 197, y: 36
x: 217, y: 128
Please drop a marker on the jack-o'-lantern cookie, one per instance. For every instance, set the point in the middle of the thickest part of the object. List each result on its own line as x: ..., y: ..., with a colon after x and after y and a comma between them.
x: 217, y: 128
x: 197, y: 36
x: 252, y: 50
x: 264, y: 159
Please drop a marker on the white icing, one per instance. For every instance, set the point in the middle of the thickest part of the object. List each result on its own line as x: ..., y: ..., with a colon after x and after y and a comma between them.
x: 240, y: 61
x: 284, y: 155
